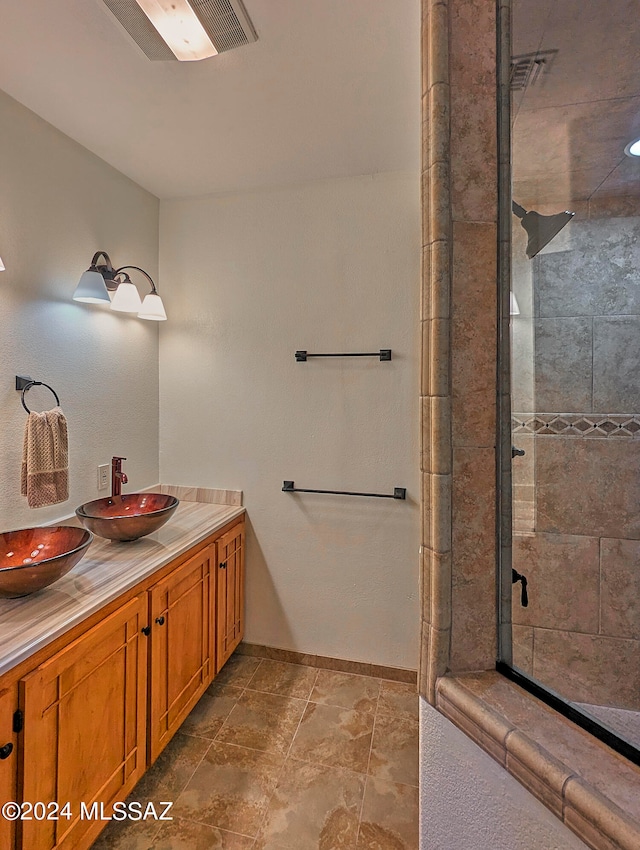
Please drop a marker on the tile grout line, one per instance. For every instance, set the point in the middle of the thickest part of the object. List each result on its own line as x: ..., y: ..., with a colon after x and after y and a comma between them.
x: 320, y: 764
x: 270, y: 796
x: 219, y: 828
x: 224, y: 722
x: 307, y: 701
x: 182, y: 787
x: 599, y: 585
x: 240, y: 695
x: 366, y: 774
x: 194, y: 771
x: 213, y: 740
x: 191, y: 775
x: 304, y: 711
x: 377, y: 713
x: 244, y: 689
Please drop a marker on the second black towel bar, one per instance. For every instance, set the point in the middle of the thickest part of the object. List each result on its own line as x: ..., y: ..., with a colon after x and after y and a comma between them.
x: 383, y: 354
x: 398, y: 492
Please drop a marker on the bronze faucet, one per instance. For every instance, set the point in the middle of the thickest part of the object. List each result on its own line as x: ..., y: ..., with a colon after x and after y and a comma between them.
x: 118, y: 477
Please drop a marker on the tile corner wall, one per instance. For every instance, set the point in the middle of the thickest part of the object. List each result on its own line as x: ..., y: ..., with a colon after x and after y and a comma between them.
x: 459, y: 308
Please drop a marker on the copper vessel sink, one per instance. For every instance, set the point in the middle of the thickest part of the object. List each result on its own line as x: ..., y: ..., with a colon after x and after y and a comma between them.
x: 127, y: 517
x: 33, y: 558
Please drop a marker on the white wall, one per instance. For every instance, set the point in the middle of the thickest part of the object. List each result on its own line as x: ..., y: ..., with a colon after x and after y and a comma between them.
x: 248, y: 279
x: 469, y: 802
x: 58, y: 205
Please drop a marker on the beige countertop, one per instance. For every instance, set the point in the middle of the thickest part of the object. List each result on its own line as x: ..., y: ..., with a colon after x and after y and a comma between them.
x: 107, y: 570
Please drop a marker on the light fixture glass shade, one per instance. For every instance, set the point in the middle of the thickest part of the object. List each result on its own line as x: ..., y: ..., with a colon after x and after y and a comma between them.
x: 1, y: 265
x: 179, y: 26
x: 514, y: 309
x: 126, y: 299
x: 91, y: 289
x: 152, y: 308
x: 633, y: 148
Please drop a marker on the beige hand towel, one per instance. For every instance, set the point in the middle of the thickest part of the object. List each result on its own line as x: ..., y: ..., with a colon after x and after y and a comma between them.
x: 45, y: 459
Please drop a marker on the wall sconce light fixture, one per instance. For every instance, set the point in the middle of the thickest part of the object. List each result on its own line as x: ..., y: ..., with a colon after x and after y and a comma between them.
x: 92, y: 288
x: 101, y: 283
x: 540, y: 229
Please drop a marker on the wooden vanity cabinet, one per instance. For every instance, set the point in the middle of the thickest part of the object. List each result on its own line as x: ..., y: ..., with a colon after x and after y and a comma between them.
x: 103, y: 706
x: 182, y: 610
x: 8, y: 761
x: 229, y: 593
x: 84, y: 738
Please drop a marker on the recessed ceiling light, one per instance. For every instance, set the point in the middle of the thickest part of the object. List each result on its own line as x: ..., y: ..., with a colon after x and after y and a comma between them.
x: 179, y: 26
x: 184, y: 30
x: 633, y: 148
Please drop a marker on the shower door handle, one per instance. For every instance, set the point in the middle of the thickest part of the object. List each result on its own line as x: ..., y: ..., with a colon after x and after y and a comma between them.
x: 524, y: 596
x: 517, y: 452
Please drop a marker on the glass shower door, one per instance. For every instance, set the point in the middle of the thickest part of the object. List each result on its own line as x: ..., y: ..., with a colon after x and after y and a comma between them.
x: 575, y: 357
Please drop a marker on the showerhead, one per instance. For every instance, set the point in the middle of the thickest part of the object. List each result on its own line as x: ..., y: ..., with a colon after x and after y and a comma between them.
x: 540, y: 229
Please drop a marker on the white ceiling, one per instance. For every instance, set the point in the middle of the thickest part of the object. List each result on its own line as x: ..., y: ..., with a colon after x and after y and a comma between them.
x: 331, y: 88
x: 571, y: 126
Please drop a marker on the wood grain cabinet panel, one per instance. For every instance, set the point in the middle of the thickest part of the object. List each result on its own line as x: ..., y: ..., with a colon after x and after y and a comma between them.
x: 230, y: 593
x: 182, y: 645
x: 8, y: 762
x: 84, y: 738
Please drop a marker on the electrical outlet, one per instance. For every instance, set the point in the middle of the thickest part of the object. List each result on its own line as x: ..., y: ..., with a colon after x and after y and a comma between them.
x: 103, y: 476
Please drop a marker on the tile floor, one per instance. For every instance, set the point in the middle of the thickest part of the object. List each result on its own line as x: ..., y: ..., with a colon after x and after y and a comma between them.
x: 279, y: 756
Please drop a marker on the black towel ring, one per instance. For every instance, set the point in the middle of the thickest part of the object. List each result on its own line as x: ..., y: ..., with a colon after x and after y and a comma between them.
x: 28, y: 386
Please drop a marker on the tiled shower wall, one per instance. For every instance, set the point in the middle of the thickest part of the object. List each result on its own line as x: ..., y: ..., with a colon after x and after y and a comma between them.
x: 577, y: 490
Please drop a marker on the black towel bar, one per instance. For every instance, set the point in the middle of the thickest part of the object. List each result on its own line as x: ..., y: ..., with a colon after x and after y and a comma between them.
x: 398, y: 492
x: 383, y: 354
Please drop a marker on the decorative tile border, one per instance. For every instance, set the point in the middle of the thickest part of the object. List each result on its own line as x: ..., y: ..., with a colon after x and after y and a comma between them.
x: 577, y: 424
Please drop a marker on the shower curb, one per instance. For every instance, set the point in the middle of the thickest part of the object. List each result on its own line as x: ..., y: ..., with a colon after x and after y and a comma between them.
x: 592, y: 789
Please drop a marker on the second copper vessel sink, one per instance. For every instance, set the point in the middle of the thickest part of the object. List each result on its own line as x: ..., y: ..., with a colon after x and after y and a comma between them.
x: 33, y: 558
x: 127, y: 517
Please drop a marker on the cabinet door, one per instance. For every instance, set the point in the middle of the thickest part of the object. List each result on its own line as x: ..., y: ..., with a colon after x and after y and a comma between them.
x: 182, y: 645
x: 8, y: 762
x: 230, y: 593
x: 84, y: 728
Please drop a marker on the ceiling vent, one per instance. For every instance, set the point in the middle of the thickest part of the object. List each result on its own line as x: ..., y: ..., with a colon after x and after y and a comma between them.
x: 527, y: 69
x: 225, y: 22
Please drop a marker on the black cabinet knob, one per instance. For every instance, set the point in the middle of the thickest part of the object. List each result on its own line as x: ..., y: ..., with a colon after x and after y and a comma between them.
x: 146, y: 630
x: 517, y: 452
x: 223, y: 565
x: 160, y: 621
x: 6, y: 751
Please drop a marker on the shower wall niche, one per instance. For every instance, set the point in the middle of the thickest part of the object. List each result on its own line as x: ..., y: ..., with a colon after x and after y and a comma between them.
x: 575, y: 360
